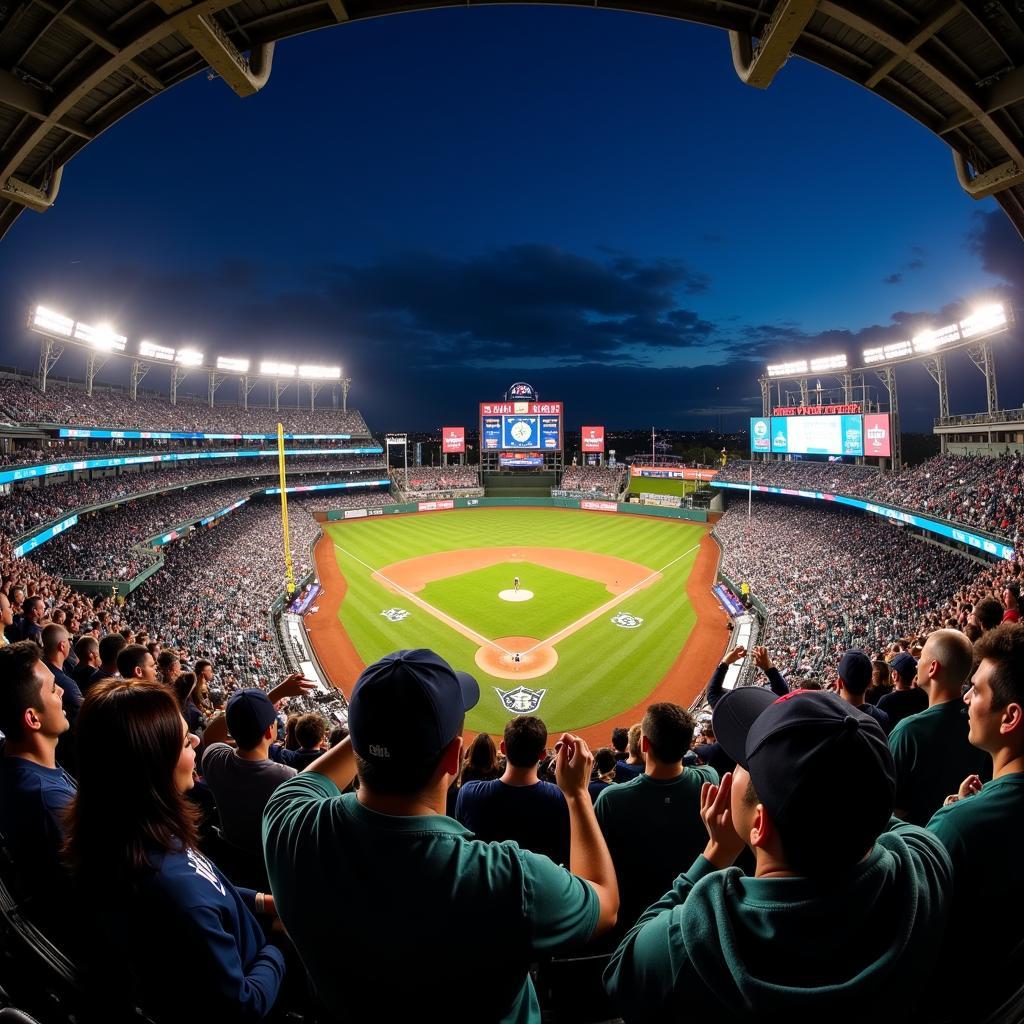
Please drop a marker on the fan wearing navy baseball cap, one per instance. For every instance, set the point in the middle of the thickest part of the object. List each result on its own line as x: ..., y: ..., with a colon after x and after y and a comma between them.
x: 847, y: 906
x: 418, y: 892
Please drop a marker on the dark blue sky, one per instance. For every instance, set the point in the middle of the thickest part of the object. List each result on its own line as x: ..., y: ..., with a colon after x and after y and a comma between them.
x: 449, y: 201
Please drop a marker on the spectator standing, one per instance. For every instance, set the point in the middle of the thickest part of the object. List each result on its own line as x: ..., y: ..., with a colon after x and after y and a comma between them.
x: 604, y: 772
x: 392, y: 856
x: 88, y: 650
x: 133, y: 846
x: 109, y: 648
x: 988, y: 613
x: 905, y: 698
x: 812, y: 796
x: 1011, y: 599
x: 880, y: 683
x: 518, y: 805
x: 56, y: 644
x: 34, y: 790
x: 982, y: 827
x: 931, y: 749
x: 135, y: 662
x: 634, y: 763
x: 28, y: 626
x: 855, y: 673
x: 652, y: 825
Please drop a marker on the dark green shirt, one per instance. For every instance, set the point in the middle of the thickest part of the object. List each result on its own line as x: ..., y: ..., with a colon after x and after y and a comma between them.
x: 984, y: 835
x: 853, y: 945
x: 653, y: 829
x: 933, y: 756
x: 391, y: 913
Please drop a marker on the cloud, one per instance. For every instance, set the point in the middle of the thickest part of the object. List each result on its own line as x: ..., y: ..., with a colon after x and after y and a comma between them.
x: 999, y: 248
x: 892, y: 279
x: 917, y: 262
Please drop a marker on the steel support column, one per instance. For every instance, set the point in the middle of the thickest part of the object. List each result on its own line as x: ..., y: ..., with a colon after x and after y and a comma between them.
x: 346, y: 383
x: 766, y: 400
x: 280, y: 387
x: 887, y: 375
x: 213, y: 381
x: 984, y: 359
x: 936, y: 367
x: 94, y: 361
x: 245, y: 385
x: 314, y: 390
x: 139, y: 370
x: 49, y: 352
x: 177, y: 376
x: 757, y: 66
x: 803, y: 391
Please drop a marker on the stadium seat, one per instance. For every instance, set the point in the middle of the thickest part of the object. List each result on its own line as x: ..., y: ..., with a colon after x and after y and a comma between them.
x: 570, y: 990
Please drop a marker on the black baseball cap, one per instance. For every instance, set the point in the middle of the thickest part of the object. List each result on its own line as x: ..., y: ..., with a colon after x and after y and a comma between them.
x: 855, y: 670
x: 821, y: 768
x: 407, y: 707
x: 249, y: 714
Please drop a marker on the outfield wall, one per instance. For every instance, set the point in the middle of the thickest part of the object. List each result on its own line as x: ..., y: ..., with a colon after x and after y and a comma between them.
x: 693, y: 515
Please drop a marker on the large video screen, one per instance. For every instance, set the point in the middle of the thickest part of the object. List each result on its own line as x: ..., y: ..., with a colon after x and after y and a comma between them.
x: 521, y: 426
x: 818, y: 435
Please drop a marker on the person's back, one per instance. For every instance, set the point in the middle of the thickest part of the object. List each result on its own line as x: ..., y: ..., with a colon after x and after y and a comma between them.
x: 843, y: 917
x: 518, y: 806
x: 423, y: 899
x: 931, y: 749
x: 904, y: 699
x: 653, y: 825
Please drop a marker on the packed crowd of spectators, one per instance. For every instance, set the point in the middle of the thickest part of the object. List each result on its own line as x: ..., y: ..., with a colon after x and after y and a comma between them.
x: 437, y: 478
x: 592, y: 482
x: 21, y: 401
x: 834, y: 579
x: 26, y: 507
x: 983, y: 492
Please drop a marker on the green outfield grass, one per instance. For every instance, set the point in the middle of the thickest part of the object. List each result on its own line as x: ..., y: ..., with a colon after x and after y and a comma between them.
x: 559, y: 600
x: 602, y: 669
x: 657, y: 485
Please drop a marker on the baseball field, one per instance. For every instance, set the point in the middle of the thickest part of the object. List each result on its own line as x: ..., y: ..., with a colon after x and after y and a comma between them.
x: 603, y: 610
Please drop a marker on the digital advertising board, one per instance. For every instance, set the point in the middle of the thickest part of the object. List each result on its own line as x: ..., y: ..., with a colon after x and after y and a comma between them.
x: 760, y: 434
x: 877, y: 434
x: 592, y: 439
x: 521, y: 426
x: 453, y: 440
x: 818, y: 435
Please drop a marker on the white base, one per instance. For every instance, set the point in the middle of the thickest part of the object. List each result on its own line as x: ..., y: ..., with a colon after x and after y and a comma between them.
x: 516, y: 595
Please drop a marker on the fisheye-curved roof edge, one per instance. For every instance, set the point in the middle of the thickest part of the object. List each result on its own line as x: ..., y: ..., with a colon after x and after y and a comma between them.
x: 69, y: 72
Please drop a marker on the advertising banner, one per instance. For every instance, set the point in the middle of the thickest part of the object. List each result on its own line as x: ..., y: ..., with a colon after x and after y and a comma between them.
x: 760, y: 434
x: 877, y: 437
x: 599, y: 506
x: 453, y: 440
x: 593, y: 439
x: 434, y: 506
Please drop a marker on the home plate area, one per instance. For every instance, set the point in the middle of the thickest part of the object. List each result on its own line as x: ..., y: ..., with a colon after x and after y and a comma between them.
x: 516, y: 657
x: 515, y: 595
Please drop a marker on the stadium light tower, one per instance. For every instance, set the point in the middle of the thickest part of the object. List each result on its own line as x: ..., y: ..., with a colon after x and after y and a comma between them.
x: 184, y: 360
x: 51, y: 326
x: 317, y: 377
x: 101, y: 341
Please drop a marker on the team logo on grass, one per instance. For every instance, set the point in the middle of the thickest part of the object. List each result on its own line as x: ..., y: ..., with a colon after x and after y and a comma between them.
x: 395, y: 614
x: 627, y: 621
x: 522, y: 700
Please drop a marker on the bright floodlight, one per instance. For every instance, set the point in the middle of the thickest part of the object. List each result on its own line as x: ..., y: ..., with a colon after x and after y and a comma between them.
x: 189, y: 357
x: 828, y: 363
x: 232, y: 365
x: 883, y: 353
x: 50, y: 322
x: 150, y: 350
x: 308, y: 372
x: 271, y: 369
x: 103, y: 337
x: 988, y: 318
x: 788, y: 369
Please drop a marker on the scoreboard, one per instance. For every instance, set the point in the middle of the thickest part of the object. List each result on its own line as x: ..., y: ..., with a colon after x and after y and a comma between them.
x: 521, y: 427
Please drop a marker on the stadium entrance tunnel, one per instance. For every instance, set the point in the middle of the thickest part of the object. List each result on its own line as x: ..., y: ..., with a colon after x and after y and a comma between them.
x: 935, y: 67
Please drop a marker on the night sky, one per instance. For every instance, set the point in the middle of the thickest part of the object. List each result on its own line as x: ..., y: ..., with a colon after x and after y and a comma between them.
x: 449, y: 201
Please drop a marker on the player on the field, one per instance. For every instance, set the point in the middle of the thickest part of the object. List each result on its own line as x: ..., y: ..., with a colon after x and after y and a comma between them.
x: 515, y: 584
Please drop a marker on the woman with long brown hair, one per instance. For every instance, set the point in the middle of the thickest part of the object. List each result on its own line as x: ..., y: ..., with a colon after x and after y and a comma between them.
x: 162, y: 908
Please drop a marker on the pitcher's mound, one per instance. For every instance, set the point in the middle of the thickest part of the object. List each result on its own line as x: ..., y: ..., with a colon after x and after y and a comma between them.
x: 495, y: 662
x: 515, y: 595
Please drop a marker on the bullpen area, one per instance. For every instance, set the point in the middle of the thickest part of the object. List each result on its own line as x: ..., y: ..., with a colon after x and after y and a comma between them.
x: 579, y: 617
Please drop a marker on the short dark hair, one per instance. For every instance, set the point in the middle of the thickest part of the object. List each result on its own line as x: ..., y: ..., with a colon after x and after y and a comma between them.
x: 1004, y: 646
x: 404, y: 781
x: 310, y: 730
x: 30, y: 602
x: 201, y: 664
x: 19, y: 688
x: 84, y: 645
x: 604, y: 761
x: 526, y: 736
x: 669, y: 730
x: 53, y: 636
x: 110, y: 647
x: 130, y: 658
x: 989, y: 612
x: 620, y: 738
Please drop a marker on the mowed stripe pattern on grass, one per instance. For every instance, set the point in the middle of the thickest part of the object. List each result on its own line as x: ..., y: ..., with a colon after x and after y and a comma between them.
x: 601, y: 669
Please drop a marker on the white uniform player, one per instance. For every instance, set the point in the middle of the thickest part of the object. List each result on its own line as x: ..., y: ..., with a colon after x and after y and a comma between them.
x: 515, y: 584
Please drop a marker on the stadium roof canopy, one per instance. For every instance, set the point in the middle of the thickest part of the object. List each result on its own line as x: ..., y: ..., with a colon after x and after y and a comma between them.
x: 70, y: 69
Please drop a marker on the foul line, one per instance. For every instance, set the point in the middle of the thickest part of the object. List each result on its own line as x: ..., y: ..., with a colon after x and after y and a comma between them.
x: 444, y: 616
x: 618, y: 599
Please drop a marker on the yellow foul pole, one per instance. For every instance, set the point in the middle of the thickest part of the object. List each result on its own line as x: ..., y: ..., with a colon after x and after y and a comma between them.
x: 289, y: 573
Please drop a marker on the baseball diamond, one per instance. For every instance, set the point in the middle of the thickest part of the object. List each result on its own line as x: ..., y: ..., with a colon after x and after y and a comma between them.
x: 588, y: 572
